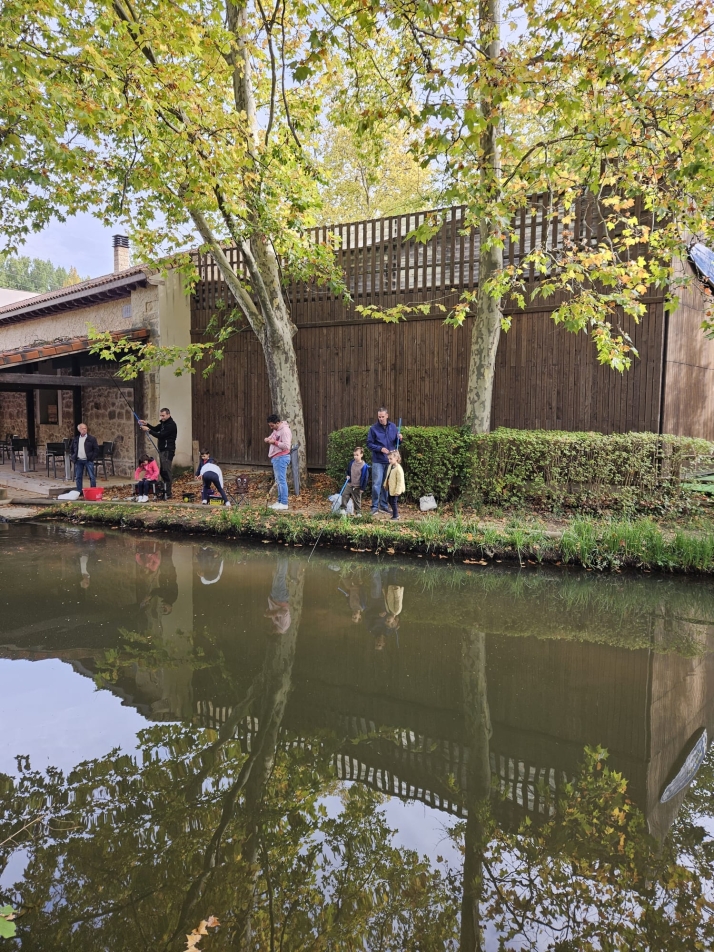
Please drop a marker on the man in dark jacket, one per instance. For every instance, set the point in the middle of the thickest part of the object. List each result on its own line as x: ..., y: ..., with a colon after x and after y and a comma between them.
x: 83, y: 453
x: 166, y: 432
x: 381, y: 440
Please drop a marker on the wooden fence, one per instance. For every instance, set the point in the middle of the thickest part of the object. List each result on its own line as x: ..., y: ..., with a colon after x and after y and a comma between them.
x: 349, y: 365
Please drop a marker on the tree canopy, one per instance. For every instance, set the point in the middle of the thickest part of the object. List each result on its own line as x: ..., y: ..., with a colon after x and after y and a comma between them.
x: 204, y: 117
x: 33, y: 274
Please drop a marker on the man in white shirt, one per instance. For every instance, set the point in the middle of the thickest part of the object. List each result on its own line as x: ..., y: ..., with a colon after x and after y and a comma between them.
x: 83, y: 453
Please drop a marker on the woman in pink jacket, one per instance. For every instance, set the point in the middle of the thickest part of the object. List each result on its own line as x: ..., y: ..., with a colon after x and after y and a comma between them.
x: 145, y: 476
x: 280, y: 441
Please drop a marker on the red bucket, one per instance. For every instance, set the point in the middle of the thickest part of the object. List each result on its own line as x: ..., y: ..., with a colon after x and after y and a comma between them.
x: 95, y: 494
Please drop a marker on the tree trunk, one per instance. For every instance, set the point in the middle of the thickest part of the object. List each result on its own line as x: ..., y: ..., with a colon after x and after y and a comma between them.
x: 265, y: 308
x: 487, y: 323
x: 279, y: 350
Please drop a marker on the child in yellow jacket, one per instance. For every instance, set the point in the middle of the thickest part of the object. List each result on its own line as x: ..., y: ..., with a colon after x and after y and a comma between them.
x: 394, y: 481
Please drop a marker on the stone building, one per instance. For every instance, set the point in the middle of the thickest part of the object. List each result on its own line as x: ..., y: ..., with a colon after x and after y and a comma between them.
x: 49, y: 381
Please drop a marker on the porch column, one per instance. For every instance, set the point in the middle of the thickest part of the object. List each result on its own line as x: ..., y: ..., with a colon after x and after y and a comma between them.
x: 31, y: 434
x: 175, y: 392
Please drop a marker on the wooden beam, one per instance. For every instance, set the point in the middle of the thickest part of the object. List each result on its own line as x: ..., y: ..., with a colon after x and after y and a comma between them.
x: 31, y: 434
x: 52, y: 382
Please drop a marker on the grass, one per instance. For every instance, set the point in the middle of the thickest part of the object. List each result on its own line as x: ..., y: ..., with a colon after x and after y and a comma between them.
x: 604, y: 544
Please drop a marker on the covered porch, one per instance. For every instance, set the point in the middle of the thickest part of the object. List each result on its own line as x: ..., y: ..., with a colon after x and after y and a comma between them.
x: 45, y: 392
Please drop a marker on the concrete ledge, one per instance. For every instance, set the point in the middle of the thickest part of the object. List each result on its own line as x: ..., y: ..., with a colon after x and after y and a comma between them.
x: 46, y: 501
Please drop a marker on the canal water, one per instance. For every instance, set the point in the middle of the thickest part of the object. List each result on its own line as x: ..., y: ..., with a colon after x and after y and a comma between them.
x: 264, y: 752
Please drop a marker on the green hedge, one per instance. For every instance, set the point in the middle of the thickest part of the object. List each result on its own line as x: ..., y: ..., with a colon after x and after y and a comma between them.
x: 435, y: 458
x: 546, y: 466
x: 553, y: 465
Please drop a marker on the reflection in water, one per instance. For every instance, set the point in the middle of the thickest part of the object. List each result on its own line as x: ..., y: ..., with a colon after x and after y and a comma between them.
x: 541, y: 715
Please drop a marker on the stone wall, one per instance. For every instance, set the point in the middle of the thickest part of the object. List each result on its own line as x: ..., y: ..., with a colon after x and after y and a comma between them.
x: 105, y: 411
x: 13, y: 414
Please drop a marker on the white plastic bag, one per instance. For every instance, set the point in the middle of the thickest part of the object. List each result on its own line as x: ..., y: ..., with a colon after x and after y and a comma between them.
x: 335, y: 498
x: 72, y: 495
x: 427, y: 502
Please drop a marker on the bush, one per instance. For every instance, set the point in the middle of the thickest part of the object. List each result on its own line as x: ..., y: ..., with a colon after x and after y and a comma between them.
x: 547, y: 467
x: 554, y: 466
x: 436, y: 459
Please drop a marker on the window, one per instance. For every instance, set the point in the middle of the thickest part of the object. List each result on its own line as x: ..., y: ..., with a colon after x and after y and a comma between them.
x: 49, y: 407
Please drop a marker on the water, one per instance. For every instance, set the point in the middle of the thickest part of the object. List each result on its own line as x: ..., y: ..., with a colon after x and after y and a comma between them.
x: 355, y: 753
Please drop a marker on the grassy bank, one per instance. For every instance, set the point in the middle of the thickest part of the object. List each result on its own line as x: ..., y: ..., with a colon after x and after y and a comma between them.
x: 595, y: 544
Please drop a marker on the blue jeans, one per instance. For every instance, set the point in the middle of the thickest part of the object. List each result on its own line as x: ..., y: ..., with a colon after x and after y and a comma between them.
x: 79, y: 467
x: 280, y: 468
x: 379, y: 495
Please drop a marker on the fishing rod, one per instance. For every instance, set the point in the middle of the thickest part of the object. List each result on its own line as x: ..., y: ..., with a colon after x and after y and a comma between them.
x: 148, y: 435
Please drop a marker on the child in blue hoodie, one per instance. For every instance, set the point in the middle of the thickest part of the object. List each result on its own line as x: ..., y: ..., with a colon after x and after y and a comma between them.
x: 357, y: 474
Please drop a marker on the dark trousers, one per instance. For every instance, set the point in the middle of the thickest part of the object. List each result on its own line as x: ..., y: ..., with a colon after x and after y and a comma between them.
x: 80, y: 465
x: 393, y: 500
x: 166, y: 463
x: 208, y: 483
x: 145, y: 486
x: 355, y: 494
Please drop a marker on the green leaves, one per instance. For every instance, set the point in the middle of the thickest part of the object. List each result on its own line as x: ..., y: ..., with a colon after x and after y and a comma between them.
x: 7, y: 926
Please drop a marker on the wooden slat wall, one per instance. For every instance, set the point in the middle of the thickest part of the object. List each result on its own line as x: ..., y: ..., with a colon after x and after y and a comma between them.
x: 545, y: 378
x: 689, y: 369
x: 349, y: 365
x: 549, y: 379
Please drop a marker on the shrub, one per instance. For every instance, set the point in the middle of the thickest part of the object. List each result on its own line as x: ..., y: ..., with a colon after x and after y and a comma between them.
x: 547, y: 467
x: 559, y: 466
x: 436, y: 459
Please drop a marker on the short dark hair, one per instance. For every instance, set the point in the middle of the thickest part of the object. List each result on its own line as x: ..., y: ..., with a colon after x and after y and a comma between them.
x: 205, y: 453
x: 382, y: 410
x: 273, y: 418
x: 143, y: 459
x: 358, y: 448
x: 165, y: 410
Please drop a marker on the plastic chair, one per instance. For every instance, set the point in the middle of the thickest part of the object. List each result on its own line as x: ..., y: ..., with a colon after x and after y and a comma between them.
x: 5, y: 447
x: 17, y: 445
x: 100, y: 461
x: 108, y: 451
x: 54, y: 451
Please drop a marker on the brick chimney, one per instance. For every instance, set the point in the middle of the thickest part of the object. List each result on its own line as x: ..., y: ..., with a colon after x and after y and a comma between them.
x: 121, y: 252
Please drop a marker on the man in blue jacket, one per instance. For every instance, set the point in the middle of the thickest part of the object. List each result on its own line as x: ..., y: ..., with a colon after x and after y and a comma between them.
x: 381, y: 440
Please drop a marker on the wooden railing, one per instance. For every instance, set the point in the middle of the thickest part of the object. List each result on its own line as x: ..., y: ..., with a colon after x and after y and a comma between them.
x: 437, y: 764
x: 381, y: 264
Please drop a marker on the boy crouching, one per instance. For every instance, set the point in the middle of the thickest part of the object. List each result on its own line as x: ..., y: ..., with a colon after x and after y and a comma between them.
x: 357, y: 476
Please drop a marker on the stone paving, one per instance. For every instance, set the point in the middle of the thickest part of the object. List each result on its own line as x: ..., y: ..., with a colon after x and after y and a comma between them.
x: 37, y: 483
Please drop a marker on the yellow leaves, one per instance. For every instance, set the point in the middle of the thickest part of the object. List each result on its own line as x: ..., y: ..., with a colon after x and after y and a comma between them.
x: 195, y: 937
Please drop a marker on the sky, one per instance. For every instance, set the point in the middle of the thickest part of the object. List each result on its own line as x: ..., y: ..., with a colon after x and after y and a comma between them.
x: 81, y: 241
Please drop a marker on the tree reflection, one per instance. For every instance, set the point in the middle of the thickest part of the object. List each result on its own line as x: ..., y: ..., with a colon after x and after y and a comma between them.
x: 250, y: 823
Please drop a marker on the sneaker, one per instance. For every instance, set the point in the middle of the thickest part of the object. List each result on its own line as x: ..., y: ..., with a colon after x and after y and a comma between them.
x: 395, y: 518
x: 279, y: 505
x: 373, y: 512
x: 229, y: 504
x: 204, y: 502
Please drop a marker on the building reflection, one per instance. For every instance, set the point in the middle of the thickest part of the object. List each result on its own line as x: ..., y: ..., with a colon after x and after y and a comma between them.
x: 438, y: 692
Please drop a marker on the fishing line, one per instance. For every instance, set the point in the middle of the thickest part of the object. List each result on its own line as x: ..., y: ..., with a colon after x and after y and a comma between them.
x: 148, y: 435
x: 335, y: 506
